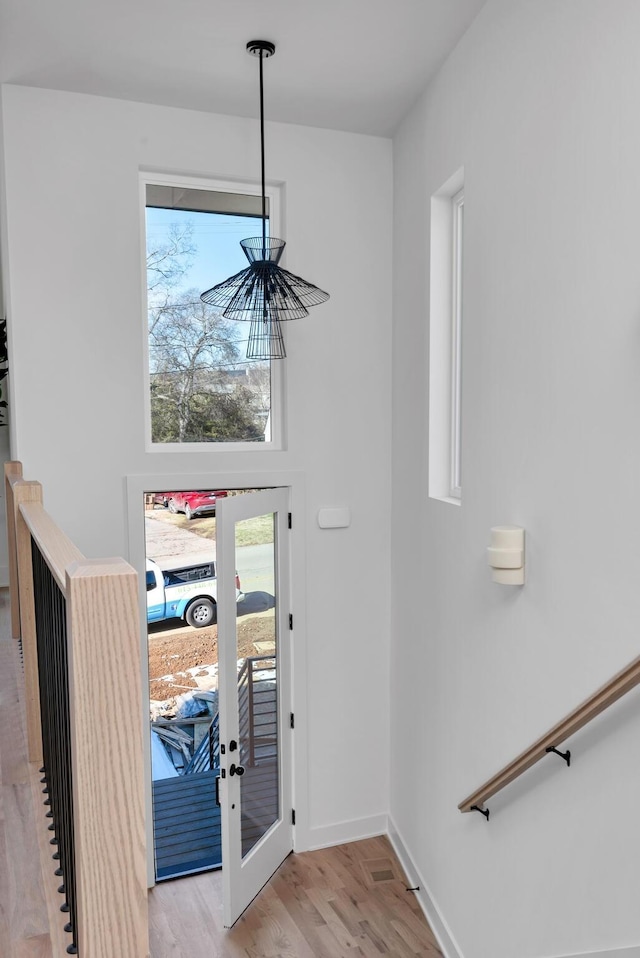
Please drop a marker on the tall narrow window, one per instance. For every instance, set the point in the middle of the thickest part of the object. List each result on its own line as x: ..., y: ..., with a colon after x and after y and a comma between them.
x: 445, y: 341
x: 202, y: 389
x: 457, y: 228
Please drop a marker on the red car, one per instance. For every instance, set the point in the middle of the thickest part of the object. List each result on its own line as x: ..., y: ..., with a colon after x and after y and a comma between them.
x: 194, y: 504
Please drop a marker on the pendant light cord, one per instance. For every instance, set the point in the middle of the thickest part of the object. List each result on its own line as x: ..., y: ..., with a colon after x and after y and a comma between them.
x: 264, y: 198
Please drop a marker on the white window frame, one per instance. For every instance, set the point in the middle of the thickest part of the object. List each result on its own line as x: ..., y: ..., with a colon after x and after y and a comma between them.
x: 457, y: 231
x: 445, y: 341
x: 276, y: 422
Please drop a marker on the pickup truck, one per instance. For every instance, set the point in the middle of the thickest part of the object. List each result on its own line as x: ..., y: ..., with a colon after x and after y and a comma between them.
x: 183, y: 588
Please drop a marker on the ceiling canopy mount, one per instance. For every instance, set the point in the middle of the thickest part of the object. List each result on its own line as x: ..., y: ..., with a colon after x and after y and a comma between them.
x: 261, y: 48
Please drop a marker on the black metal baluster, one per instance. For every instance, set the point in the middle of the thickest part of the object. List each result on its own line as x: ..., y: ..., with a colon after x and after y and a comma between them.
x: 51, y: 629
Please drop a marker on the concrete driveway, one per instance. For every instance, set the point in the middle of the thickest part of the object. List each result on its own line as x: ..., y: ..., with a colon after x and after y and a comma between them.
x: 164, y: 541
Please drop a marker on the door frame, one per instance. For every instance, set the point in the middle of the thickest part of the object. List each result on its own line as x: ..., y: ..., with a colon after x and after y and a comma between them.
x: 135, y: 487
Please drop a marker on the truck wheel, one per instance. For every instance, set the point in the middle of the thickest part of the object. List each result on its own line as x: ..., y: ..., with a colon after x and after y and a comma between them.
x: 187, y: 511
x: 171, y: 505
x: 200, y: 613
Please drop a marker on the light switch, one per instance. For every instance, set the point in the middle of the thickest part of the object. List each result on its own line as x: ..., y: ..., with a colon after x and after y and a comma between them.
x: 334, y: 518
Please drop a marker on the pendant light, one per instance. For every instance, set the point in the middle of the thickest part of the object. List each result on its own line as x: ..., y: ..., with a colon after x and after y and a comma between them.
x: 264, y: 292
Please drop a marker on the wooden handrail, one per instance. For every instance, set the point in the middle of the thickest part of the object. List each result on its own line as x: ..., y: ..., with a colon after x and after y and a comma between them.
x: 105, y: 710
x: 606, y: 695
x: 58, y: 551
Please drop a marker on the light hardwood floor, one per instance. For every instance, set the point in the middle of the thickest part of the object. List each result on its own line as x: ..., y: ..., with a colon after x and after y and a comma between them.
x: 350, y: 900
x: 31, y: 924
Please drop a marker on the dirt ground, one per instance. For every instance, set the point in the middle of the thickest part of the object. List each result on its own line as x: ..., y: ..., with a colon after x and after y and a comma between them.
x: 172, y: 652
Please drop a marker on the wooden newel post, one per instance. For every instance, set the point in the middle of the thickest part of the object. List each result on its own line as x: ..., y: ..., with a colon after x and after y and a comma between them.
x: 107, y: 759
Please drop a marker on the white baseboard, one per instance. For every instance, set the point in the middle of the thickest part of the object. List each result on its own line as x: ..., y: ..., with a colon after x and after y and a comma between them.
x: 447, y: 942
x: 350, y: 831
x: 633, y: 952
x: 439, y: 927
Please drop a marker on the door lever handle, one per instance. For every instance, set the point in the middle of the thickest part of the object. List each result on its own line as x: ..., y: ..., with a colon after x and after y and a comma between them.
x: 236, y: 770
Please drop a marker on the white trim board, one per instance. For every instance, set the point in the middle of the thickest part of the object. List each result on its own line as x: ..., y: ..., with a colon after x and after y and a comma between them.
x: 354, y: 830
x: 444, y: 935
x: 633, y: 952
x: 439, y: 927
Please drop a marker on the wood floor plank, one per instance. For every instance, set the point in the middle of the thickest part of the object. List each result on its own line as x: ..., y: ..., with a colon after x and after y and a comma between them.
x: 337, y: 923
x: 412, y: 941
x: 5, y: 938
x: 276, y: 932
x: 27, y: 910
x: 24, y: 916
x: 14, y: 768
x: 187, y: 922
x: 59, y: 938
x: 39, y: 947
x: 302, y: 911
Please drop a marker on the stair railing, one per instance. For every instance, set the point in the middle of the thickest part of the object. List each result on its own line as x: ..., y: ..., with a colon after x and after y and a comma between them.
x: 78, y: 622
x: 621, y: 683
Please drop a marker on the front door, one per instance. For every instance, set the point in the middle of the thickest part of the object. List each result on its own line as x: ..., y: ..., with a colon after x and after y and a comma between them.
x: 255, y: 696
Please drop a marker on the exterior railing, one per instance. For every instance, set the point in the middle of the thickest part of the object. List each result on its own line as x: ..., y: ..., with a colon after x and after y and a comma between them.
x: 78, y: 622
x: 257, y: 708
x: 207, y: 754
x: 606, y: 695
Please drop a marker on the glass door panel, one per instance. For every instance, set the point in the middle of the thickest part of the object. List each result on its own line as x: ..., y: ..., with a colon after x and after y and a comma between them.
x: 255, y: 698
x: 257, y: 684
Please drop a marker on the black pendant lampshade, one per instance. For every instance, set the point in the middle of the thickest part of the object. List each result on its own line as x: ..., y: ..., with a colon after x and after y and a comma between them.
x: 264, y: 292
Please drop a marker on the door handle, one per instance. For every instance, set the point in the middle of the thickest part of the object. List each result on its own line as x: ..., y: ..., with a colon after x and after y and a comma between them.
x: 217, y: 789
x: 236, y: 770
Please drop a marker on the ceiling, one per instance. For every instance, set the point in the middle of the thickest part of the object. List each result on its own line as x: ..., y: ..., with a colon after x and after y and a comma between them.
x: 355, y: 65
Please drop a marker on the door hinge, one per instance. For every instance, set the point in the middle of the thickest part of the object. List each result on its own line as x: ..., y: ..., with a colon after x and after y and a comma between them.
x: 289, y: 521
x: 291, y: 620
x: 292, y: 723
x: 293, y: 816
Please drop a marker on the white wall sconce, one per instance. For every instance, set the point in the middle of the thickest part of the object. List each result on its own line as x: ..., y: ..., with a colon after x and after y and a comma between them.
x: 506, y: 555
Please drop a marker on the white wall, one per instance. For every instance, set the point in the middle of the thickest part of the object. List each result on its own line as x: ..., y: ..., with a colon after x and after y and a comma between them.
x: 539, y: 103
x: 75, y: 283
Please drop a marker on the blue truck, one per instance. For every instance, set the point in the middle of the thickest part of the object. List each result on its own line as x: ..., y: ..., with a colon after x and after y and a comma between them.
x: 184, y: 588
